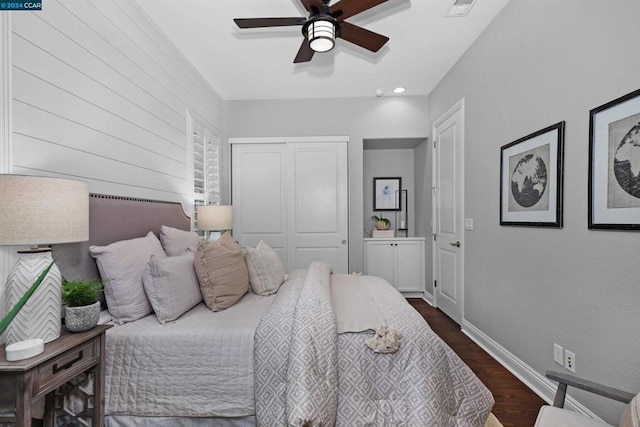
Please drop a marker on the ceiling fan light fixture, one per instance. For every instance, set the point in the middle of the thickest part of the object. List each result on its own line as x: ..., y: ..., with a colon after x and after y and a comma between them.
x: 321, y: 33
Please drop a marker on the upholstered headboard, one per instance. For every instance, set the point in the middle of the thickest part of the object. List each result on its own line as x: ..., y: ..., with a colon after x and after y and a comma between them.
x: 114, y: 218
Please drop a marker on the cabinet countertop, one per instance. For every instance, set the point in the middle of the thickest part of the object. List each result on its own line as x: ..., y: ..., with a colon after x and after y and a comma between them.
x: 374, y: 239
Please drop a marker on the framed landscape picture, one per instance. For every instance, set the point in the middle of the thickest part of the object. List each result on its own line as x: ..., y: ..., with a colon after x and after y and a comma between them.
x: 531, y: 172
x: 614, y: 164
x: 386, y: 194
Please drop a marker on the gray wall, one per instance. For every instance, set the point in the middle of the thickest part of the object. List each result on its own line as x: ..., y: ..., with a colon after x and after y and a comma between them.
x: 357, y: 118
x: 538, y: 63
x: 422, y: 169
x: 388, y: 163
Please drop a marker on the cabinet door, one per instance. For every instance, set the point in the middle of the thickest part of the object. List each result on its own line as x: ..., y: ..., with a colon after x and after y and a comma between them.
x: 380, y: 260
x: 409, y: 266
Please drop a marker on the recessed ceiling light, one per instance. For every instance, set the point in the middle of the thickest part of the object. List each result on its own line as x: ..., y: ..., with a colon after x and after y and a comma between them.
x: 399, y: 90
x: 379, y: 92
x: 459, y: 8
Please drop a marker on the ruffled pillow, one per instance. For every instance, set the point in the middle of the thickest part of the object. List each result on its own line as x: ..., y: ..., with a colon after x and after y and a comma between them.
x: 221, y: 271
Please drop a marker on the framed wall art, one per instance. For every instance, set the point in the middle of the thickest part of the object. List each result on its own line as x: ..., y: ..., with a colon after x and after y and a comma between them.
x: 387, y: 194
x: 614, y: 164
x: 531, y: 172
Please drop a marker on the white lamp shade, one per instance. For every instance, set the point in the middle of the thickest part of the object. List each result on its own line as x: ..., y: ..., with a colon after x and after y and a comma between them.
x: 42, y: 210
x: 215, y: 218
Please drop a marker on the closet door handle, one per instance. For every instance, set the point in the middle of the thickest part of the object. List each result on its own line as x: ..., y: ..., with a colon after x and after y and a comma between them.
x: 456, y: 244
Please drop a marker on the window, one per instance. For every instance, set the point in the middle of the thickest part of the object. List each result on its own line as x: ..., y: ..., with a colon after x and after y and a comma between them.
x: 206, y: 174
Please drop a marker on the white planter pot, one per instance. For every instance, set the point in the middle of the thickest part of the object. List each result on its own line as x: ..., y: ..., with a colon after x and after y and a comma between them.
x: 80, y: 319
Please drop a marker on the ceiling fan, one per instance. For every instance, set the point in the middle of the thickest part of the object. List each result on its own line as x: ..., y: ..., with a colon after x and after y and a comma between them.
x: 323, y: 25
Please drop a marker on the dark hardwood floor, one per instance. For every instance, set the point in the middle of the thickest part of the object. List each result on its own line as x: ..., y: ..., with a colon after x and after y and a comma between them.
x: 516, y: 405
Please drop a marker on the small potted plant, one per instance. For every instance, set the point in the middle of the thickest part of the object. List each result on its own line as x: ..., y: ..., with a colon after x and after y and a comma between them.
x: 381, y: 222
x: 82, y: 308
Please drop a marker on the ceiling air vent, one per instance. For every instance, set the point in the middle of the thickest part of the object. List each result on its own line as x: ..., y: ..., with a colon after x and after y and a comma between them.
x: 459, y: 8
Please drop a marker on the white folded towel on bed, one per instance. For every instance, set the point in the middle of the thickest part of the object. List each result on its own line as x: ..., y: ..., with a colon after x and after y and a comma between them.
x: 355, y: 310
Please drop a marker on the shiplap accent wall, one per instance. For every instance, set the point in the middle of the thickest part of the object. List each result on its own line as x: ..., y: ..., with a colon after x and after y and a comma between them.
x: 97, y: 93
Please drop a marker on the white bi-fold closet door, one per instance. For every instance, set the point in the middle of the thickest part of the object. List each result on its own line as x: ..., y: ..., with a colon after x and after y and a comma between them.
x: 292, y: 193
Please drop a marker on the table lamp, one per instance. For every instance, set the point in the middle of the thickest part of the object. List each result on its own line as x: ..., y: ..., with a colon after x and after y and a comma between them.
x: 215, y: 219
x: 38, y: 210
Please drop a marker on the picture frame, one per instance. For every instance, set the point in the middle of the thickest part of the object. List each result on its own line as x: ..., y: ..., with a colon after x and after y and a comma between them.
x: 387, y: 193
x: 614, y: 158
x: 531, y: 179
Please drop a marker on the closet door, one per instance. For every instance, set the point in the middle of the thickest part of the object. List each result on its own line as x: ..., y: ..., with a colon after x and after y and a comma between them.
x: 258, y: 186
x: 292, y: 193
x: 317, y: 219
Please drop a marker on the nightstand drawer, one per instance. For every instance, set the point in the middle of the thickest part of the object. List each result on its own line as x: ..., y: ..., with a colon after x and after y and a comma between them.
x: 67, y: 365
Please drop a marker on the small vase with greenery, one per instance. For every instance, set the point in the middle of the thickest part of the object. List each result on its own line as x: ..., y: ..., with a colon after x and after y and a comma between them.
x: 82, y: 308
x: 381, y: 222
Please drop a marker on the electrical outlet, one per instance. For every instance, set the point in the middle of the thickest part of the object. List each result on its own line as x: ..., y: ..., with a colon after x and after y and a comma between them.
x: 557, y: 354
x: 570, y: 361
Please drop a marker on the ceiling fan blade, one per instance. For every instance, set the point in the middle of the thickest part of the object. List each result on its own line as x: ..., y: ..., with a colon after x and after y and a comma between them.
x: 311, y: 4
x: 347, y: 8
x: 305, y: 53
x: 268, y: 22
x: 362, y: 37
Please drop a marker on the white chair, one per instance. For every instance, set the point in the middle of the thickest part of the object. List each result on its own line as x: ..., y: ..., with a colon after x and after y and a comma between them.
x: 557, y: 416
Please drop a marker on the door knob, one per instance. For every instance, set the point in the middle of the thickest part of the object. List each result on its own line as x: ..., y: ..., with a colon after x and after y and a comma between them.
x: 344, y: 242
x: 456, y: 244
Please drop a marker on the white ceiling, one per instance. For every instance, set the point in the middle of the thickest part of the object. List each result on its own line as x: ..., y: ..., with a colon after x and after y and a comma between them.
x: 258, y: 63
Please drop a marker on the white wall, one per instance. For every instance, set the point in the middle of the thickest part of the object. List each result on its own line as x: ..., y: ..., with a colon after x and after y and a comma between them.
x: 95, y: 92
x: 538, y: 63
x: 357, y: 118
x: 100, y: 95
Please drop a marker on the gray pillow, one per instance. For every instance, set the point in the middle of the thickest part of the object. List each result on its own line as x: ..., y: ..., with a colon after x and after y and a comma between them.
x: 266, y: 272
x: 172, y: 286
x: 121, y: 265
x: 176, y: 242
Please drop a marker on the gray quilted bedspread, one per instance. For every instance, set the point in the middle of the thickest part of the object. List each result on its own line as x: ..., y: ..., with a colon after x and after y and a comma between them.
x: 307, y: 374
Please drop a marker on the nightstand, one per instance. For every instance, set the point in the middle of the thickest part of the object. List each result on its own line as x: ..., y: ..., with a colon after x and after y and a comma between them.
x: 63, y: 359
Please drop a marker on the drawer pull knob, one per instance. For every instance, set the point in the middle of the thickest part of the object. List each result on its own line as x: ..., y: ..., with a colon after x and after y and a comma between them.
x: 67, y: 365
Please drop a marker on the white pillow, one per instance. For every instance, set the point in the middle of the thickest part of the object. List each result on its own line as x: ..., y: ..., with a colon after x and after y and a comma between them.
x: 176, y: 242
x: 121, y: 265
x: 266, y: 272
x: 172, y: 286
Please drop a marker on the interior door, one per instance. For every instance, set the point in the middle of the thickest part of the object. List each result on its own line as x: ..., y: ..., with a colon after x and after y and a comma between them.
x: 317, y: 225
x: 448, y: 181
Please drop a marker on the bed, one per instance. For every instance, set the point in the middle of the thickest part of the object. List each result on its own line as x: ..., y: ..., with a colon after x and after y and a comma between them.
x: 303, y: 355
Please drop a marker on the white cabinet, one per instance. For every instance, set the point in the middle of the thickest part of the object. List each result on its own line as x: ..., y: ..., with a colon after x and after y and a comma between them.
x: 398, y: 260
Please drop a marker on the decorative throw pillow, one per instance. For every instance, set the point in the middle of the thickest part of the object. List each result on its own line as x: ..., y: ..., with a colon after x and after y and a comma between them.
x: 266, y: 272
x: 222, y: 272
x: 176, y: 242
x: 172, y: 286
x: 121, y: 265
x: 631, y: 417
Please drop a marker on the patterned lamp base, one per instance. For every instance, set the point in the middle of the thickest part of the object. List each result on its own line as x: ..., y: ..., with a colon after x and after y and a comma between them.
x: 40, y: 317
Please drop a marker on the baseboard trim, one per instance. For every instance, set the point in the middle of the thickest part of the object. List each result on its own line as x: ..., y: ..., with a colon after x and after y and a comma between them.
x: 428, y: 298
x: 537, y: 382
